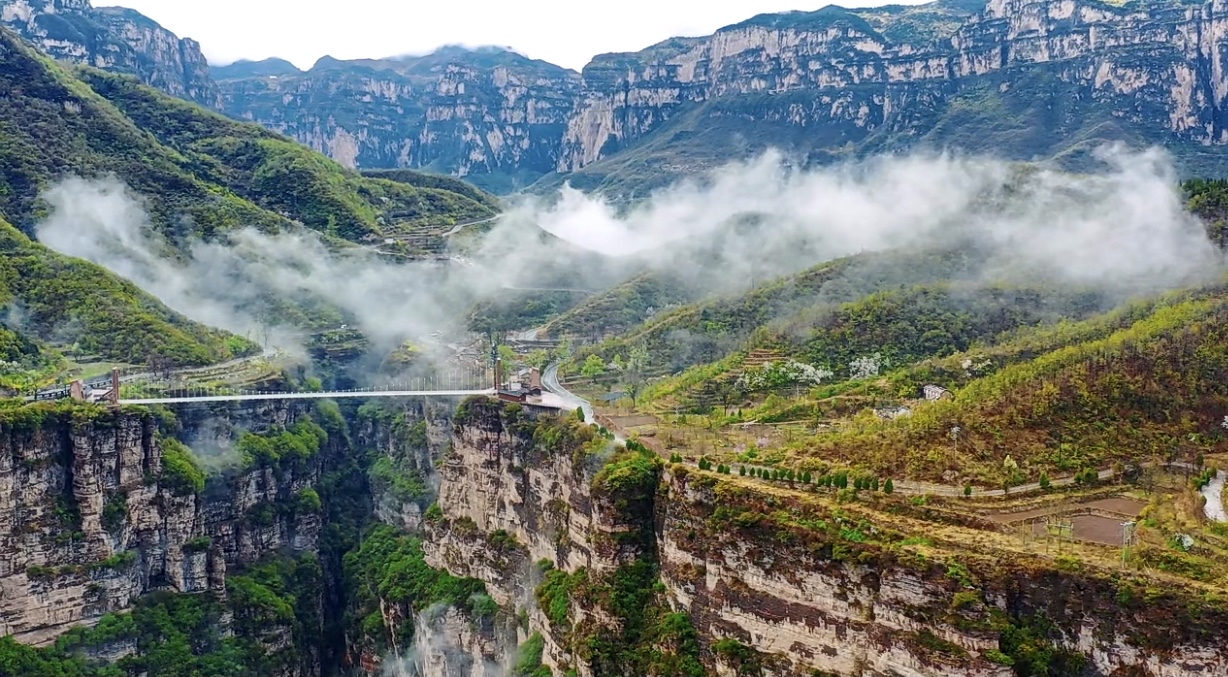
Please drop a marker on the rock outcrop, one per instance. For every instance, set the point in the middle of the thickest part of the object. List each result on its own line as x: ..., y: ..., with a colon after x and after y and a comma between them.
x: 91, y: 518
x: 762, y: 594
x: 114, y: 39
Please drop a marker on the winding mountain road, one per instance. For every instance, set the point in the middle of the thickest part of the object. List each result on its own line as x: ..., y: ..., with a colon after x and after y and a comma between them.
x: 1214, y: 493
x: 550, y: 381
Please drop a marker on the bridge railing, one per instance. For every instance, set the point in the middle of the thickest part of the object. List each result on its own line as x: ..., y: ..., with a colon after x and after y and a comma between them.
x: 452, y: 380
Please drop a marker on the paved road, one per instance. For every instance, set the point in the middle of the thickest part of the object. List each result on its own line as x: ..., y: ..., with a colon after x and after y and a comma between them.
x: 1214, y: 492
x: 307, y: 396
x: 550, y: 381
x: 461, y: 226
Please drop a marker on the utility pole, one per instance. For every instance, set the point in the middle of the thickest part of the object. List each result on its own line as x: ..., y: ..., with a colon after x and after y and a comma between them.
x: 1128, y: 539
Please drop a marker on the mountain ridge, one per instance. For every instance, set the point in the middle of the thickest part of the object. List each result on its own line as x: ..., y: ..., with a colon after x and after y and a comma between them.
x: 1021, y: 79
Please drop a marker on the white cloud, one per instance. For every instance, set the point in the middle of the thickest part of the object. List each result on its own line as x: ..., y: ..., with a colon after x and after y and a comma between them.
x: 1123, y: 230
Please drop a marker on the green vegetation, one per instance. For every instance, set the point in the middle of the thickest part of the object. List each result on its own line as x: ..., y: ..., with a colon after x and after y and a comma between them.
x: 650, y: 640
x: 1156, y: 374
x: 70, y: 301
x: 114, y: 511
x: 404, y: 483
x: 180, y: 471
x: 529, y: 658
x: 183, y: 635
x: 888, y: 308
x: 389, y: 567
x: 198, y: 175
x: 184, y: 160
x: 1029, y: 647
x: 282, y: 447
x: 622, y: 307
x: 437, y: 181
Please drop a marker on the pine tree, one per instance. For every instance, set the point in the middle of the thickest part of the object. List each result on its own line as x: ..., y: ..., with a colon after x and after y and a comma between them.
x: 889, y: 486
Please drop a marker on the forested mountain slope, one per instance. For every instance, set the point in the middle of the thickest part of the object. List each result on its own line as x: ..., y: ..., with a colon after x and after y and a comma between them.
x: 197, y: 170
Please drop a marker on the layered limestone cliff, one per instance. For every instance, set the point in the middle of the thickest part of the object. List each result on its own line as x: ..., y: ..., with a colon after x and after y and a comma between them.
x: 484, y: 112
x: 1022, y: 78
x: 508, y: 502
x: 93, y: 515
x: 114, y: 39
x: 1017, y: 78
x: 838, y: 74
x: 787, y: 594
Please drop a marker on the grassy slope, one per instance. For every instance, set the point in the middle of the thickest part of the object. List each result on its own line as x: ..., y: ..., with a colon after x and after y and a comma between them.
x: 184, y: 160
x: 622, y: 307
x: 197, y: 173
x: 68, y: 300
x: 1126, y: 387
x: 279, y: 174
x: 711, y: 329
x: 440, y: 181
x: 52, y: 125
x: 902, y: 304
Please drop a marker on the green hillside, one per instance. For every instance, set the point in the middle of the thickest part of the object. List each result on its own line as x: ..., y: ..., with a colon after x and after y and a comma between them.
x: 65, y: 301
x: 622, y: 307
x: 1152, y: 389
x: 1058, y: 379
x: 709, y: 330
x: 187, y: 162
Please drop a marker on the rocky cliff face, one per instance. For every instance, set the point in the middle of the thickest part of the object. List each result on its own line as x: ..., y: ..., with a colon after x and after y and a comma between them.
x: 495, y: 480
x: 114, y: 39
x: 485, y: 113
x: 1021, y: 78
x: 763, y: 596
x: 93, y: 515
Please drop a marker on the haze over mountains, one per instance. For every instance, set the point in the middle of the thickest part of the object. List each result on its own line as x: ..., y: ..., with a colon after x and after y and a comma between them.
x: 1013, y: 78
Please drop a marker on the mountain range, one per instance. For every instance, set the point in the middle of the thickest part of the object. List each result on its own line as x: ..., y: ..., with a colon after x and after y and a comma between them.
x: 1020, y: 79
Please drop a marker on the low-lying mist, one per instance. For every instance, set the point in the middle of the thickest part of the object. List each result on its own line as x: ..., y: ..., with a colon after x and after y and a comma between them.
x: 1124, y: 229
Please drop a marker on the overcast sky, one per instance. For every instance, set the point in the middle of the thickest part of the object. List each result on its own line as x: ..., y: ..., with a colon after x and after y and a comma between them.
x: 564, y: 32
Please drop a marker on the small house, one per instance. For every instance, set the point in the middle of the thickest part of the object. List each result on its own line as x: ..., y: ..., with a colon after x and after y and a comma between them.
x: 934, y: 393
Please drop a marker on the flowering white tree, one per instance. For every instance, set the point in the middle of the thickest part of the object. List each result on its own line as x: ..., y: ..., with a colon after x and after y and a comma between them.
x: 866, y: 366
x: 782, y: 374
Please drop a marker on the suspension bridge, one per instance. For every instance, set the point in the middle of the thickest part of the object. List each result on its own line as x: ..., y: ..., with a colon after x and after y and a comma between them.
x: 247, y: 396
x: 117, y: 389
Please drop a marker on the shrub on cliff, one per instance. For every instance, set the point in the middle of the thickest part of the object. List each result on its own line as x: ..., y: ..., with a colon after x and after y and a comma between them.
x: 285, y: 446
x: 529, y: 658
x: 180, y: 471
x: 629, y: 473
x: 391, y: 567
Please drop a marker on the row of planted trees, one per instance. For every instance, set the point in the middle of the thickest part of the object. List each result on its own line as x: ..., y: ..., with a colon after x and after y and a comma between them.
x: 841, y: 479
